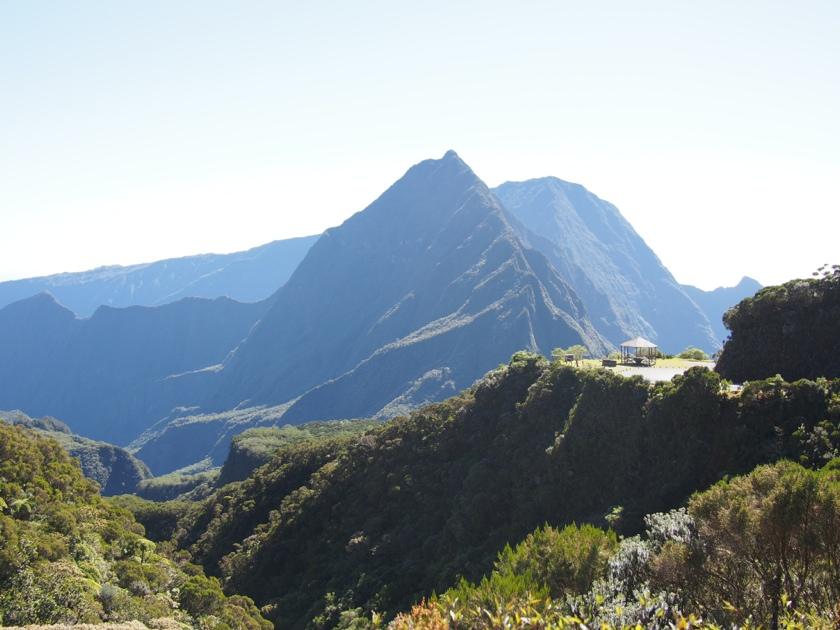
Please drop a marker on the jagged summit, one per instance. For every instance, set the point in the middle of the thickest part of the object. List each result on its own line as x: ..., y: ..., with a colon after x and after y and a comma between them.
x: 402, y: 289
x: 434, y: 283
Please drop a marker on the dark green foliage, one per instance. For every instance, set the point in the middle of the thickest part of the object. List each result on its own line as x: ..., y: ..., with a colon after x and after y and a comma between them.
x: 757, y: 551
x: 68, y: 556
x: 253, y: 448
x: 236, y: 510
x: 564, y: 561
x: 791, y: 330
x: 159, y: 519
x: 386, y: 518
x: 177, y: 484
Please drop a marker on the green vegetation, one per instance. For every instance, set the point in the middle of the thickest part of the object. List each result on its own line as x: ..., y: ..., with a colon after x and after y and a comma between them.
x: 789, y: 329
x: 179, y: 484
x: 747, y: 552
x: 347, y: 524
x: 693, y: 354
x: 379, y: 521
x: 253, y: 448
x: 113, y: 468
x: 158, y: 518
x: 68, y: 556
x: 577, y: 351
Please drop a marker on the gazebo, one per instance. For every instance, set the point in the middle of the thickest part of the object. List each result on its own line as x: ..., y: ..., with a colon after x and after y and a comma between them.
x: 638, y: 351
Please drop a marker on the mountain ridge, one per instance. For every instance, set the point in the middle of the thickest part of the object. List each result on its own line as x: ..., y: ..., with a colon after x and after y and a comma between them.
x: 246, y: 276
x: 106, y: 375
x: 445, y: 260
x: 408, y: 301
x: 717, y: 301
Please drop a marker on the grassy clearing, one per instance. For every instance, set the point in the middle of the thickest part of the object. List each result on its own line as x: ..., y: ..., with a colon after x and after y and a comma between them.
x: 674, y: 363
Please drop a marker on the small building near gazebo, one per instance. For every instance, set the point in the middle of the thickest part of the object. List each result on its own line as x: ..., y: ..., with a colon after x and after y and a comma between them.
x: 638, y: 351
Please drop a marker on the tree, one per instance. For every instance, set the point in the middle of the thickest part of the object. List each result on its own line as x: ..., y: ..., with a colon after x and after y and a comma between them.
x: 577, y: 351
x: 693, y: 354
x: 769, y: 537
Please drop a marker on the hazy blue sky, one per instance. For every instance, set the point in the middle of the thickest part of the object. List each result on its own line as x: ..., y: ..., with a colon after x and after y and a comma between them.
x: 132, y: 131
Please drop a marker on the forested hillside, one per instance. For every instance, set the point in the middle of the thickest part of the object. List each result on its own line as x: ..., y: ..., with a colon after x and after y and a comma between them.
x: 68, y: 556
x: 791, y: 329
x: 380, y: 521
x: 115, y: 470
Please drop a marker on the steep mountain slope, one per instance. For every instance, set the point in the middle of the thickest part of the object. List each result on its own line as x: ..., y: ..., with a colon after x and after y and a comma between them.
x: 417, y: 295
x: 115, y: 470
x: 627, y: 291
x: 247, y: 276
x: 716, y: 302
x: 108, y: 376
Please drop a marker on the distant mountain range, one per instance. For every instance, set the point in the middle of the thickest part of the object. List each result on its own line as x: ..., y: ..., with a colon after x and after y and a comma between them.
x: 110, y: 376
x: 716, y: 302
x: 408, y: 301
x: 248, y: 276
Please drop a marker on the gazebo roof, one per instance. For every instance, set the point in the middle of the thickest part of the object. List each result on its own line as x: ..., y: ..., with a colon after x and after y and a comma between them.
x: 638, y: 342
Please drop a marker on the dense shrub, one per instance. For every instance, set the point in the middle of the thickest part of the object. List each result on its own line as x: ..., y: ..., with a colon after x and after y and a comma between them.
x: 759, y: 550
x: 693, y: 354
x: 68, y: 556
x: 159, y: 519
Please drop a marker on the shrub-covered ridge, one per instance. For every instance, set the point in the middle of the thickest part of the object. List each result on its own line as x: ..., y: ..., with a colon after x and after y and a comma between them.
x: 380, y: 521
x: 757, y: 551
x: 68, y: 556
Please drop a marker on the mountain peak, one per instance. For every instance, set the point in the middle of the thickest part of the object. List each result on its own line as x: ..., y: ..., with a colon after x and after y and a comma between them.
x: 450, y: 165
x: 749, y: 283
x: 43, y: 302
